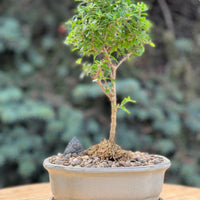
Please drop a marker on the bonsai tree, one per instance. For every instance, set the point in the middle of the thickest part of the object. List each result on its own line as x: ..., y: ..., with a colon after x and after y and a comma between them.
x: 110, y: 31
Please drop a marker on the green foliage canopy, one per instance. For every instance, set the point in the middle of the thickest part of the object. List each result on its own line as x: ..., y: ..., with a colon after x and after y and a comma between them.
x: 119, y: 25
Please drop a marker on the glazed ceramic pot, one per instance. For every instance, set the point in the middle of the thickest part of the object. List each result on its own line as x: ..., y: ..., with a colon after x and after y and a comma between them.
x: 127, y: 183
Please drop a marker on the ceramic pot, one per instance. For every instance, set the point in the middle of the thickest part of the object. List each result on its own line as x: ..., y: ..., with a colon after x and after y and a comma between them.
x: 128, y: 183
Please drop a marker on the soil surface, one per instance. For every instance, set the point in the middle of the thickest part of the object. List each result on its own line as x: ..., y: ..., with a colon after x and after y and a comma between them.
x: 83, y: 160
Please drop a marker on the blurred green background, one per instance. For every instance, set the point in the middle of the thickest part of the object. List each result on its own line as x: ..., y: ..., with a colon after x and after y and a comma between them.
x: 44, y: 102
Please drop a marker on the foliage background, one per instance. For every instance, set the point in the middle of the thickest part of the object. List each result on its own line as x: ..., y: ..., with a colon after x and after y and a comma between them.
x: 44, y: 102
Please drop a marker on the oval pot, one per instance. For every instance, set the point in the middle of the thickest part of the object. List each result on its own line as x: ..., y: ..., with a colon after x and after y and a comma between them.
x: 128, y: 183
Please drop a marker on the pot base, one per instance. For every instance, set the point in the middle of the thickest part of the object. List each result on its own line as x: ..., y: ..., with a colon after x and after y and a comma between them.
x: 52, y: 198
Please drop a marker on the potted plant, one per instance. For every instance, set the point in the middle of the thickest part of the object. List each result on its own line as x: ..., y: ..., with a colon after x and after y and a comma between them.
x: 110, y: 31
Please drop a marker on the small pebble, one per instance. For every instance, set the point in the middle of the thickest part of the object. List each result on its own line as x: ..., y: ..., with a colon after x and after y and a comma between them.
x: 110, y: 163
x: 85, y: 157
x: 128, y: 163
x: 122, y: 163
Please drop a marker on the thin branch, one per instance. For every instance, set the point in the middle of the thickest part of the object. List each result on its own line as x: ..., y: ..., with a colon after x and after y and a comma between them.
x: 105, y: 36
x: 129, y: 28
x: 105, y: 81
x: 107, y: 85
x: 103, y: 88
x: 124, y: 59
x: 107, y: 53
x: 111, y: 64
x: 101, y: 85
x: 109, y: 26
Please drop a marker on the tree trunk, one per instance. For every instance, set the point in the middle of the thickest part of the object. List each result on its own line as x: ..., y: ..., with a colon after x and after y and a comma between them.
x: 113, y: 117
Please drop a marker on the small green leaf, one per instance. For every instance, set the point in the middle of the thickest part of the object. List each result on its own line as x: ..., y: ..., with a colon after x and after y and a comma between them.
x: 97, y: 61
x: 107, y: 90
x: 125, y: 109
x: 113, y: 80
x: 152, y: 44
x: 114, y: 58
x: 106, y: 61
x: 126, y: 100
x: 79, y: 61
x: 74, y: 49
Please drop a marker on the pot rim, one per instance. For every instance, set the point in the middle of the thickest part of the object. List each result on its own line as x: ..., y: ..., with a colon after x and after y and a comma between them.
x: 164, y: 165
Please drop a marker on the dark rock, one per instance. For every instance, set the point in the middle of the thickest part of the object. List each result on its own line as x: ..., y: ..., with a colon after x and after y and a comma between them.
x: 133, y: 160
x: 74, y: 146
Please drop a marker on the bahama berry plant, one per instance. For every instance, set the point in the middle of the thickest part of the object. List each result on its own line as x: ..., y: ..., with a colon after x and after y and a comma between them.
x: 110, y: 31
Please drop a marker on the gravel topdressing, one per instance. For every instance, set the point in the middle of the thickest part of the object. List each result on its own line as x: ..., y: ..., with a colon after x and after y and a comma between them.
x: 83, y: 160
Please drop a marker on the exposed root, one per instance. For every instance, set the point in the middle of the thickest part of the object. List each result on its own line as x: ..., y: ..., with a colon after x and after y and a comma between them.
x: 106, y: 150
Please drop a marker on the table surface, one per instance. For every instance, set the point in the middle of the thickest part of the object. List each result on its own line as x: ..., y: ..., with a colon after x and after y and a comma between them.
x: 42, y: 191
